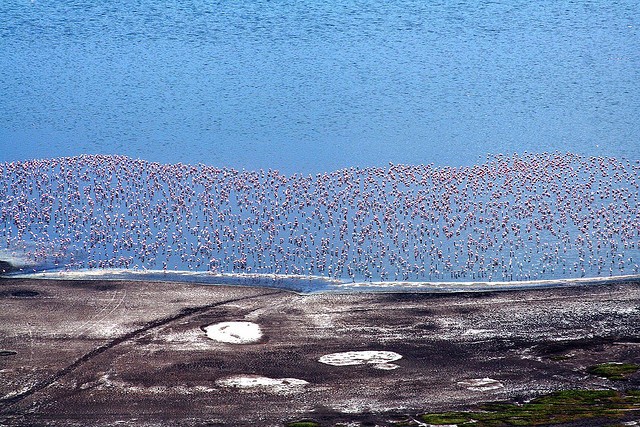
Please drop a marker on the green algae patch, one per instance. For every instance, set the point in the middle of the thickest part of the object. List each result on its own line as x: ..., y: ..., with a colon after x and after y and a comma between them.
x: 556, y: 408
x: 613, y: 371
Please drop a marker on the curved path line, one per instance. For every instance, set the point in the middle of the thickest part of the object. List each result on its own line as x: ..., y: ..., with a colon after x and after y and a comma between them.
x: 184, y: 312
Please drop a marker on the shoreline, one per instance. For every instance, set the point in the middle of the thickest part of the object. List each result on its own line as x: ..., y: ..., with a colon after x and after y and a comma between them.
x: 308, y: 285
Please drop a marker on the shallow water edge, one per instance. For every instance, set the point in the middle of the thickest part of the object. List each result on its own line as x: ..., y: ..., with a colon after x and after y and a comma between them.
x: 317, y: 284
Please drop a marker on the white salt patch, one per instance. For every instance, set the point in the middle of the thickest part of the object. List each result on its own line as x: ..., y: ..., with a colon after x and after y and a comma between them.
x: 322, y: 321
x: 234, y: 332
x: 351, y: 358
x: 481, y: 384
x: 386, y: 366
x: 367, y: 404
x: 277, y: 385
x: 106, y: 382
x: 477, y: 331
x: 351, y: 406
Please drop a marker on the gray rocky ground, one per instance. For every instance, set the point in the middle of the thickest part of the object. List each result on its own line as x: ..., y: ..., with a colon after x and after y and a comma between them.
x: 136, y: 353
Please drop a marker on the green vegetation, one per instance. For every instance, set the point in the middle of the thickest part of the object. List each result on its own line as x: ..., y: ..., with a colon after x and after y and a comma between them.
x: 613, y: 371
x: 556, y: 408
x: 562, y: 407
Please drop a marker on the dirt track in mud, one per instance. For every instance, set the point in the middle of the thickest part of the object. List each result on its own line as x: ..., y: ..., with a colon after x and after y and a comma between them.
x: 136, y: 353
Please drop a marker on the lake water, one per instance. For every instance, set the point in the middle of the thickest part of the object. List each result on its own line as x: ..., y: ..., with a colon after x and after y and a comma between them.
x: 320, y: 85
x: 320, y: 136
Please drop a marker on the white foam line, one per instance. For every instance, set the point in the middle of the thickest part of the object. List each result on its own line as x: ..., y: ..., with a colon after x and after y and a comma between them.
x: 186, y: 273
x: 489, y: 285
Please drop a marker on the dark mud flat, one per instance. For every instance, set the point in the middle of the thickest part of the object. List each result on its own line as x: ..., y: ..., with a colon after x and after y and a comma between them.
x: 100, y: 353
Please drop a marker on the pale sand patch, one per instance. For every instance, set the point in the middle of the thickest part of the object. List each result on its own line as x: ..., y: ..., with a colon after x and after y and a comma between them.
x: 351, y: 358
x: 277, y: 385
x: 481, y: 384
x: 234, y: 332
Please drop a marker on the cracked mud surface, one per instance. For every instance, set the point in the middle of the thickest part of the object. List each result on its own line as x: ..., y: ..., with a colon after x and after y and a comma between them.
x: 136, y: 353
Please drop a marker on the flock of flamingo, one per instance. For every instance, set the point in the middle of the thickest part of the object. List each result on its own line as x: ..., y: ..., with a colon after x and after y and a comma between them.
x: 512, y: 218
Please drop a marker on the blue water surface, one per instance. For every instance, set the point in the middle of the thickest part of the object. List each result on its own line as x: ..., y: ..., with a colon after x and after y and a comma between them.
x: 312, y: 86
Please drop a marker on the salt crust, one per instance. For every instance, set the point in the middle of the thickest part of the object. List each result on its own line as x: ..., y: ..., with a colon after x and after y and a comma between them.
x: 481, y: 384
x: 352, y: 358
x: 258, y: 382
x: 234, y: 332
x: 243, y: 381
x: 386, y: 366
